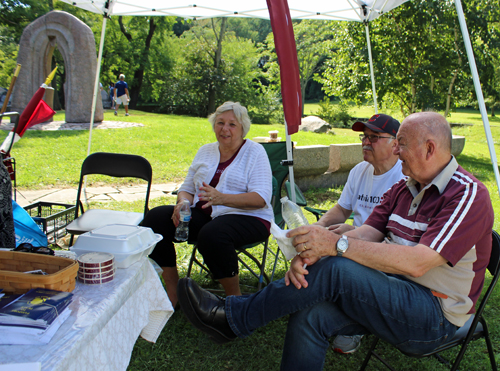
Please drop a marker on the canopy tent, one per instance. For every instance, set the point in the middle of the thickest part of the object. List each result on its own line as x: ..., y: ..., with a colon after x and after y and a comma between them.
x: 339, y: 10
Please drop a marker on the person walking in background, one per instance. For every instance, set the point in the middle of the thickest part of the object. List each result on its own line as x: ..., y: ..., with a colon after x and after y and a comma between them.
x: 112, y: 94
x: 121, y: 95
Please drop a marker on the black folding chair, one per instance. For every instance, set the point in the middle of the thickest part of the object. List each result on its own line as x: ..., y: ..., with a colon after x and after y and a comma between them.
x: 115, y: 165
x: 475, y: 328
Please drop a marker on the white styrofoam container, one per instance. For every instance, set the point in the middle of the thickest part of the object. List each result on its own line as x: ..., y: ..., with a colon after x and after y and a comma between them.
x: 128, y: 243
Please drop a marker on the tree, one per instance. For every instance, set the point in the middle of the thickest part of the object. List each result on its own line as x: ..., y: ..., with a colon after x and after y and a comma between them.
x: 197, y: 84
x: 128, y: 51
x: 484, y: 27
x: 418, y: 59
x: 314, y: 41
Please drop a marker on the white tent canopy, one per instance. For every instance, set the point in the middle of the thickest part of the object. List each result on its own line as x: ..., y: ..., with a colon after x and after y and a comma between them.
x: 336, y: 10
x: 339, y: 10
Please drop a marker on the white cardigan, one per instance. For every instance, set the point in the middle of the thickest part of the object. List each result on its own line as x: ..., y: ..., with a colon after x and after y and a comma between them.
x: 249, y: 172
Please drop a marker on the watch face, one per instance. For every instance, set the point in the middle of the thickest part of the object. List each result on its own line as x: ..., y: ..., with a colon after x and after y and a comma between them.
x: 342, y: 244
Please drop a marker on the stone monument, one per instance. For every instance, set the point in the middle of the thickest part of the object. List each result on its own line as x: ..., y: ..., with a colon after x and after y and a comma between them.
x: 75, y: 40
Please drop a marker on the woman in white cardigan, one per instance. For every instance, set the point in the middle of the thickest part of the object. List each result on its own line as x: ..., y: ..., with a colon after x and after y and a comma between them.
x: 229, y: 187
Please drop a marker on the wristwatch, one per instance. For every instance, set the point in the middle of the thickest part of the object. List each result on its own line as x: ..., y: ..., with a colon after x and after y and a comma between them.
x: 342, y: 245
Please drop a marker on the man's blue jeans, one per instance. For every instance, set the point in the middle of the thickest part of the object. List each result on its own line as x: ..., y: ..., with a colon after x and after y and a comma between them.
x: 343, y: 298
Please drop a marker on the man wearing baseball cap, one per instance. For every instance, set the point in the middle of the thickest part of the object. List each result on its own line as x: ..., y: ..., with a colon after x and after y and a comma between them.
x: 366, y: 184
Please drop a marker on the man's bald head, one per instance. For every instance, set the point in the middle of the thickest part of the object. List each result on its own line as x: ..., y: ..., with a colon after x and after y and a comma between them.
x: 424, y: 146
x: 430, y: 125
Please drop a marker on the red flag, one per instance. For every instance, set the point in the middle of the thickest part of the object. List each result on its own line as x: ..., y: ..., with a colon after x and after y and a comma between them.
x: 29, y: 111
x: 36, y: 112
x: 40, y: 114
x: 284, y: 41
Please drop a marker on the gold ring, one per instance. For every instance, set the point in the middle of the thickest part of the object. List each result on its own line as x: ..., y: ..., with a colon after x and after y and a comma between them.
x: 305, y: 247
x: 210, y: 198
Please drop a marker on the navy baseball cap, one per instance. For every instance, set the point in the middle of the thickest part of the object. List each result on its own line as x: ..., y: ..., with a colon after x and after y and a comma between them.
x: 379, y: 123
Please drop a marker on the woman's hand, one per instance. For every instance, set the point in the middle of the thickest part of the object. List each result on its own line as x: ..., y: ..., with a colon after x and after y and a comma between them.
x: 210, y: 195
x: 176, y: 215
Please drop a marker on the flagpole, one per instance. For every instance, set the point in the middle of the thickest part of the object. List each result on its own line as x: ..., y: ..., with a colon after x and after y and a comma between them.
x: 96, y: 84
x: 11, y: 87
x: 372, y: 74
x: 289, y: 157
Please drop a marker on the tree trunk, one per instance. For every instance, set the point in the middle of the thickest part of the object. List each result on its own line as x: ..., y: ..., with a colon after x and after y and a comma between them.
x: 217, y: 58
x: 455, y: 74
x: 139, y: 72
x: 303, y: 91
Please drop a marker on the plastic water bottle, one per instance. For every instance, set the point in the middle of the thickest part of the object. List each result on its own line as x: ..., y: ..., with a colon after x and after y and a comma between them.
x: 182, y: 231
x: 292, y: 214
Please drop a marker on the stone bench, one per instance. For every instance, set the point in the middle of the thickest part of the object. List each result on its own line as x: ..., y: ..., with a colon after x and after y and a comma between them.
x: 323, y: 166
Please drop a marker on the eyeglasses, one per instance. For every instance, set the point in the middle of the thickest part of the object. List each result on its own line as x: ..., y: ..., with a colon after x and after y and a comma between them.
x: 372, y: 138
x: 27, y: 247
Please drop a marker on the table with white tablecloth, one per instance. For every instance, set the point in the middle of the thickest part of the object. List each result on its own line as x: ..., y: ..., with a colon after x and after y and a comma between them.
x: 105, y: 322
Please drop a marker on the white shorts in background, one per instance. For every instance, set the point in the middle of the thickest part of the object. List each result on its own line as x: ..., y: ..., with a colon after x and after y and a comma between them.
x: 122, y: 99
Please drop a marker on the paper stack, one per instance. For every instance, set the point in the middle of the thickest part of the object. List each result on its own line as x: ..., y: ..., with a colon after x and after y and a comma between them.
x: 34, y: 317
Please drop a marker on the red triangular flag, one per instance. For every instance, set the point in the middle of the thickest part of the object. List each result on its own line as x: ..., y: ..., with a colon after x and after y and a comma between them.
x: 41, y: 113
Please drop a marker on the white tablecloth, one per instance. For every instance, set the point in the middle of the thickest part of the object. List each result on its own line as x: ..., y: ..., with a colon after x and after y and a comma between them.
x: 105, y: 322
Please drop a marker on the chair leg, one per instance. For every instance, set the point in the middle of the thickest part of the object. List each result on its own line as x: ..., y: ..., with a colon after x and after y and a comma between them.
x: 263, y: 266
x: 193, y: 260
x: 491, y: 353
x: 257, y: 263
x: 368, y: 356
x: 488, y: 344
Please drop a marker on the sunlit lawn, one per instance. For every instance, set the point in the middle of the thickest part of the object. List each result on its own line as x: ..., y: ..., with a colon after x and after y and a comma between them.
x: 169, y: 142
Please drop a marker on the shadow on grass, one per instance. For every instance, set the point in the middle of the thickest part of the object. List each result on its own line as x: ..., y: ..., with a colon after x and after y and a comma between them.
x: 480, y: 167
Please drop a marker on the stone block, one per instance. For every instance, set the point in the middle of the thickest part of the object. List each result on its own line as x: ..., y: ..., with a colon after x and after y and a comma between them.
x: 75, y: 41
x: 457, y: 145
x: 343, y: 157
x: 310, y: 160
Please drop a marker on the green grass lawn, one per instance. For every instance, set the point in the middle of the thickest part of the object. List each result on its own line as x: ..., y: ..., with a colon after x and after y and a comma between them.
x: 53, y: 159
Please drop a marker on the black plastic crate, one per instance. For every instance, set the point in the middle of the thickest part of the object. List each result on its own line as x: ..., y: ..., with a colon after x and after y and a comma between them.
x: 52, y: 218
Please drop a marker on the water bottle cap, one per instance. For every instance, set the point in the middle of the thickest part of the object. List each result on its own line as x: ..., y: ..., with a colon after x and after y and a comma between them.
x: 284, y: 199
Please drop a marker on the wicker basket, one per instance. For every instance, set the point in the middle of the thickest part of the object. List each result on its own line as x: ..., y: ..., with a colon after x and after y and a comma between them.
x: 61, y: 272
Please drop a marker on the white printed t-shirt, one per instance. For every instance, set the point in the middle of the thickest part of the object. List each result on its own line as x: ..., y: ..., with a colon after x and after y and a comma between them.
x: 363, y: 190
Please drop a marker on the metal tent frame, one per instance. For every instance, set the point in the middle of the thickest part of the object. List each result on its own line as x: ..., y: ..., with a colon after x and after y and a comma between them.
x: 340, y: 10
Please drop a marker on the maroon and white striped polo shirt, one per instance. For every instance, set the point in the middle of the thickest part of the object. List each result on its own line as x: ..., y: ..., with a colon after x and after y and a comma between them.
x: 452, y: 215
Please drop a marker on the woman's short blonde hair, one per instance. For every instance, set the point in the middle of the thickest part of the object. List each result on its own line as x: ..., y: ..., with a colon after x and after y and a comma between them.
x: 240, y: 113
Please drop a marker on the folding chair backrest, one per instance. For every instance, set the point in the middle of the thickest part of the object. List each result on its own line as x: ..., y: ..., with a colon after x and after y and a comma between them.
x: 276, y: 152
x: 494, y: 264
x: 494, y: 269
x: 117, y: 165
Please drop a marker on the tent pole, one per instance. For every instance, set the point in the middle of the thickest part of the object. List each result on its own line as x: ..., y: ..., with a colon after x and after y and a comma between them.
x: 367, y: 30
x: 289, y: 157
x: 96, y: 84
x: 479, y: 92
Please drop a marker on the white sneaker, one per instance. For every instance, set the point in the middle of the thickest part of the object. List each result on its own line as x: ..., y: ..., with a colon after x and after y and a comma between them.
x: 347, y: 344
x: 116, y: 113
x: 127, y: 114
